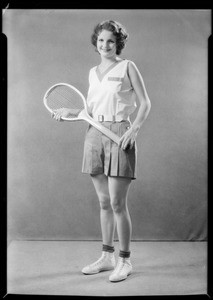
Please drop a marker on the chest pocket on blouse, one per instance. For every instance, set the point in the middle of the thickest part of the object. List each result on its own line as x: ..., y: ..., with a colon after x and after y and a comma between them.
x: 114, y: 83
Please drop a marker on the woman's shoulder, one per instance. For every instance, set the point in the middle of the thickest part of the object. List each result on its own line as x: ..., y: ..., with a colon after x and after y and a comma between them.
x: 126, y: 60
x: 91, y: 70
x: 129, y: 63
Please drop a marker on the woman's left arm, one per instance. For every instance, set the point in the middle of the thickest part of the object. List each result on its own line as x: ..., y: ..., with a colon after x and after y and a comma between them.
x: 145, y: 105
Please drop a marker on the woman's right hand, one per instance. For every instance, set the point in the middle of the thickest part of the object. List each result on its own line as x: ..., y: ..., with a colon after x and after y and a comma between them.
x: 57, y: 114
x: 60, y: 113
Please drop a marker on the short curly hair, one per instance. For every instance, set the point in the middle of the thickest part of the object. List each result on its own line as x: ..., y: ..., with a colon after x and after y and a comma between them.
x: 116, y: 28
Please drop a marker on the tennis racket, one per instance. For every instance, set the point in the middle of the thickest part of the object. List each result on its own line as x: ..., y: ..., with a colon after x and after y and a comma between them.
x: 63, y: 95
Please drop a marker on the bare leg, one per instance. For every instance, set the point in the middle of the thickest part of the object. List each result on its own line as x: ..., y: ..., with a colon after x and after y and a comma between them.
x: 118, y: 191
x: 106, y: 213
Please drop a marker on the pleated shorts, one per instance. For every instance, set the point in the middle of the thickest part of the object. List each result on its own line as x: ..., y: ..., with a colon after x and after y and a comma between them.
x: 103, y: 156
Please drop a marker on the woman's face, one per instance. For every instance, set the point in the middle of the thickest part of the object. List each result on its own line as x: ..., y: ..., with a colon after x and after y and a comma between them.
x: 106, y: 44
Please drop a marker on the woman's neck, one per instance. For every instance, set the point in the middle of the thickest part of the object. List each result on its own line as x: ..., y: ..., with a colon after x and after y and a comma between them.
x: 108, y: 61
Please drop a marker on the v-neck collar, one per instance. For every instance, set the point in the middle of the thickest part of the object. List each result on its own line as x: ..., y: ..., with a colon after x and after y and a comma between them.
x: 102, y: 75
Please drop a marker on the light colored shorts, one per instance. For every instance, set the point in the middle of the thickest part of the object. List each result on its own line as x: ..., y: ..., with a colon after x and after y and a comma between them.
x: 103, y: 156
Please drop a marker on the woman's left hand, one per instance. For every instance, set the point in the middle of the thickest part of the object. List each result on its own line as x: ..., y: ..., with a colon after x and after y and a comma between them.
x: 129, y: 138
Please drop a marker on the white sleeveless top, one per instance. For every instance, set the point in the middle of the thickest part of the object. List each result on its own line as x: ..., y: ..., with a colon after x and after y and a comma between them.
x: 110, y: 93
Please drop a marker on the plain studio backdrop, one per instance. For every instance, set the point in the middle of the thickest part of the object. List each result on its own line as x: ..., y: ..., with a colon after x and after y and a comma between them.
x: 48, y: 196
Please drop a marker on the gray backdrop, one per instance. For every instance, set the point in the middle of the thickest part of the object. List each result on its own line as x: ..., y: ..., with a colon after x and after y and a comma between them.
x: 48, y: 196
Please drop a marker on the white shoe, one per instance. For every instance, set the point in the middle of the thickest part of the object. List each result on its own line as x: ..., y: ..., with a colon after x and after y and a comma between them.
x: 122, y: 270
x: 105, y: 263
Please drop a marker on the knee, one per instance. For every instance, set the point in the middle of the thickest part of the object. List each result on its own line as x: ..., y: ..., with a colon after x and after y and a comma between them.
x: 104, y: 202
x: 118, y: 205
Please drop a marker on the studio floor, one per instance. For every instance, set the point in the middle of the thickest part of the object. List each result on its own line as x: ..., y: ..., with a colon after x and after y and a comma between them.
x: 54, y: 268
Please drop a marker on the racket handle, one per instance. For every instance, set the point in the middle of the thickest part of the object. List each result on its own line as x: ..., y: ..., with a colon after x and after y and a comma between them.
x: 104, y: 130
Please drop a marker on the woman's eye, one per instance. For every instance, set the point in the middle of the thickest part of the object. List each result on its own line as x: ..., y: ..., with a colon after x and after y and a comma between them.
x: 109, y: 41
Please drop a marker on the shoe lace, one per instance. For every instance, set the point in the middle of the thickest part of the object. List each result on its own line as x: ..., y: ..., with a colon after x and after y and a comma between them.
x: 99, y: 261
x: 120, y: 265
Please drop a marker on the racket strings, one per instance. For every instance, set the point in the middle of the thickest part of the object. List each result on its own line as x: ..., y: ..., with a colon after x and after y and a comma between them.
x: 65, y: 97
x: 70, y: 97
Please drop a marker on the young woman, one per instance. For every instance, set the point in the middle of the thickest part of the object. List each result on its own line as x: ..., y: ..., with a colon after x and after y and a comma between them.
x: 114, y: 86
